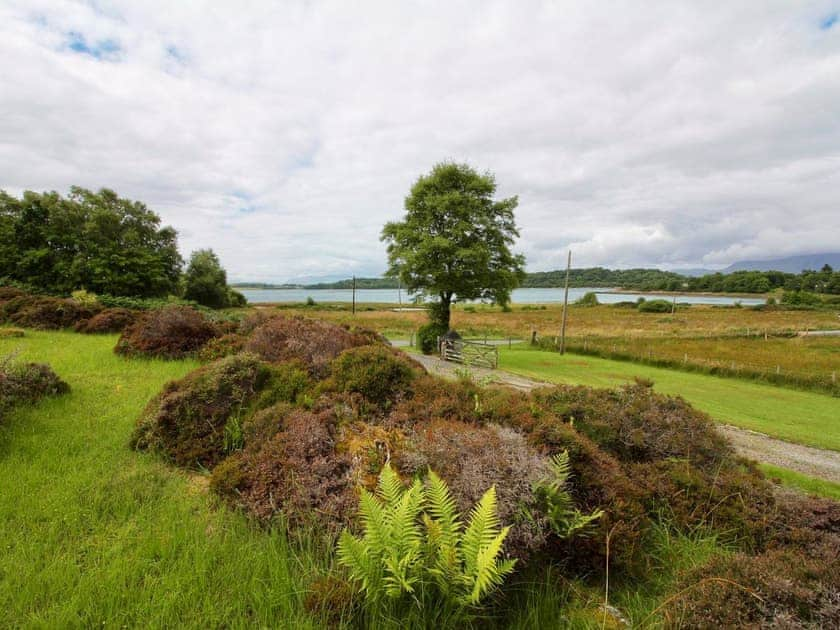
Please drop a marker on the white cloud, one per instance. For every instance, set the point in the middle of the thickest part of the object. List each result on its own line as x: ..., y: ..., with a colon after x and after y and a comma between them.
x: 284, y: 135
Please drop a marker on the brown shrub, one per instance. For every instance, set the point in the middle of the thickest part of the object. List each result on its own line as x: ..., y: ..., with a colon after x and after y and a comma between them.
x: 288, y: 381
x: 111, y: 320
x: 172, y: 332
x: 187, y: 421
x: 434, y: 398
x: 314, y: 342
x: 379, y: 373
x: 298, y: 472
x: 45, y: 313
x: 778, y: 589
x: 7, y: 293
x: 22, y: 383
x: 470, y: 459
x: 254, y: 320
x: 636, y: 424
x: 223, y: 346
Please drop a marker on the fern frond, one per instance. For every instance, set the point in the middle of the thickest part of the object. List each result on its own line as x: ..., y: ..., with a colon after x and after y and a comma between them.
x: 442, y: 507
x: 375, y: 523
x: 481, y: 530
x: 390, y: 487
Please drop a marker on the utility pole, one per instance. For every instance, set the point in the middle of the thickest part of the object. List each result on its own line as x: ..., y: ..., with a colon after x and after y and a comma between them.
x: 354, y: 295
x: 565, y: 305
x: 399, y: 291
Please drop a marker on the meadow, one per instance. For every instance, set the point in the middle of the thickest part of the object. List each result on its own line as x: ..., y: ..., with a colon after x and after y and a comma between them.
x: 96, y: 534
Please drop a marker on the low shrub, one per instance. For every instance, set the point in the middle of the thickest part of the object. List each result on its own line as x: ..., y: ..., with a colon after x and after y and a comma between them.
x: 288, y: 381
x: 84, y: 297
x: 111, y: 320
x: 590, y: 298
x: 219, y: 347
x: 186, y: 421
x: 427, y: 336
x: 26, y: 383
x: 7, y: 293
x: 378, y: 373
x: 315, y: 343
x: 46, y: 313
x: 173, y: 332
x: 9, y: 333
x: 655, y: 306
x: 778, y: 589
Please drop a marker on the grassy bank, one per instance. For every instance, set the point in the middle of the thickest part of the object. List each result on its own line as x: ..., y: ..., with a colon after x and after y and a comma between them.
x: 97, y: 535
x: 803, y: 483
x: 796, y: 416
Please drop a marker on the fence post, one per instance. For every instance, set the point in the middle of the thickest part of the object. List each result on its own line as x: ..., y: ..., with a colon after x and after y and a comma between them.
x: 834, y: 377
x: 778, y: 369
x: 685, y: 357
x: 533, y: 337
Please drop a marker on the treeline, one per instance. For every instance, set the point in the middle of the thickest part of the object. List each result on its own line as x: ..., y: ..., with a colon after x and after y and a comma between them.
x: 104, y: 244
x: 825, y: 280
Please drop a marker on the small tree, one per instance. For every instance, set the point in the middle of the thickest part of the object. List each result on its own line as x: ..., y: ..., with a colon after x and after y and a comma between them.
x: 455, y: 240
x: 206, y: 281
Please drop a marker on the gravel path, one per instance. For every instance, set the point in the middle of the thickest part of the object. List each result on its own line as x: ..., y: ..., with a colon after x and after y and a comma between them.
x: 814, y: 462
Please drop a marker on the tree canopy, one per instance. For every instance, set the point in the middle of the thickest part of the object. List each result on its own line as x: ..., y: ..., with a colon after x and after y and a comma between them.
x: 97, y: 241
x: 205, y: 281
x: 455, y: 239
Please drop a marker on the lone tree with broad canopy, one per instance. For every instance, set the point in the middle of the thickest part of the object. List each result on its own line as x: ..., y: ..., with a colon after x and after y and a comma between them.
x: 206, y: 282
x: 455, y: 239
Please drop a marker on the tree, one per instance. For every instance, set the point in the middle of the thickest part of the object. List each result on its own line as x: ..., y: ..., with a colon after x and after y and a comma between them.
x: 96, y: 241
x: 205, y: 280
x: 455, y: 239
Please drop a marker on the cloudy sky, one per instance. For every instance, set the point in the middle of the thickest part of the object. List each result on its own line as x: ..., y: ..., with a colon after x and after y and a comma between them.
x: 284, y: 134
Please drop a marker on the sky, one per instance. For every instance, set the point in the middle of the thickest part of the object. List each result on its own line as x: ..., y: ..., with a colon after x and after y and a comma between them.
x: 285, y: 134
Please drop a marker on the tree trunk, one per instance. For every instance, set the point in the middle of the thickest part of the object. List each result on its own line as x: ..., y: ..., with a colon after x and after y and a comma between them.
x: 444, y: 313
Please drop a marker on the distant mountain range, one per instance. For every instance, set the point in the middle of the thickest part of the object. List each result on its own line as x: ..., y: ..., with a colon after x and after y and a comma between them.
x: 791, y: 264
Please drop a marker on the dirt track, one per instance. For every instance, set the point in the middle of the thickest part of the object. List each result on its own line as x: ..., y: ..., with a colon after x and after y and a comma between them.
x: 810, y: 461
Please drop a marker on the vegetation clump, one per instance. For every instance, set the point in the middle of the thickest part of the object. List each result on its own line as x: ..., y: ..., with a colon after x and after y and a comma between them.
x: 110, y: 320
x: 171, y: 333
x: 26, y: 383
x: 376, y: 372
x: 44, y: 312
x: 191, y: 420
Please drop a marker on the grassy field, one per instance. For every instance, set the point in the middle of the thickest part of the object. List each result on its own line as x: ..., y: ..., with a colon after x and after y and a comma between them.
x: 796, y: 416
x: 95, y: 535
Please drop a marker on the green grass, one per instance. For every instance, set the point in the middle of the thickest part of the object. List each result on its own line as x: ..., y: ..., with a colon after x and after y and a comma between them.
x: 93, y: 534
x: 797, y: 416
x: 809, y: 485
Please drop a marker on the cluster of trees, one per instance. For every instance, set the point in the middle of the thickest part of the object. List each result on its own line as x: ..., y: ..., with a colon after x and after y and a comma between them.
x: 105, y: 244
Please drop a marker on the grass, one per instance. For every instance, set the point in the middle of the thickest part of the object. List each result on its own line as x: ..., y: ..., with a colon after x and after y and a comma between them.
x: 809, y: 485
x: 94, y: 534
x: 796, y: 416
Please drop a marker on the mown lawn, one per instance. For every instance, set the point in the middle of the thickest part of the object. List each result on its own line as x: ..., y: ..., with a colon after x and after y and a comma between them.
x: 95, y: 535
x: 796, y: 416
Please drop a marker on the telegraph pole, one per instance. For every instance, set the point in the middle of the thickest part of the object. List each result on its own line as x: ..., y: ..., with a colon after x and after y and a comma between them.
x: 565, y: 305
x: 354, y: 295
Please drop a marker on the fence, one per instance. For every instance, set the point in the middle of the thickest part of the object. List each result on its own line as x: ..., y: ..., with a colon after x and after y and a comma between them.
x: 469, y: 353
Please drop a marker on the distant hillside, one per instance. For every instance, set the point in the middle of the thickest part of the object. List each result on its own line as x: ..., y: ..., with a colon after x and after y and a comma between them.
x: 791, y: 264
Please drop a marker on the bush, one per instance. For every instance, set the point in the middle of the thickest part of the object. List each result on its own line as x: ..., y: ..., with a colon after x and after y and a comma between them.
x: 84, y: 297
x: 655, y: 306
x: 9, y: 333
x: 26, y: 383
x: 287, y: 382
x: 778, y: 589
x: 223, y: 346
x: 427, y: 337
x: 378, y: 373
x: 111, y: 320
x: 315, y: 343
x: 590, y: 298
x: 173, y: 332
x: 46, y: 313
x: 186, y: 421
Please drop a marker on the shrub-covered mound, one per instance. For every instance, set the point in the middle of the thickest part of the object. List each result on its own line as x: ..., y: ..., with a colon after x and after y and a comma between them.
x: 26, y: 383
x: 47, y: 313
x: 110, y: 320
x: 310, y: 413
x: 172, y: 332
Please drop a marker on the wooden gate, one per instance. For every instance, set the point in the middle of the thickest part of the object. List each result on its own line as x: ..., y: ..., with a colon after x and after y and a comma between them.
x: 469, y: 353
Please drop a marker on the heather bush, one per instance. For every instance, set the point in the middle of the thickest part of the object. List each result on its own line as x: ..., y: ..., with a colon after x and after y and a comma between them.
x: 186, y: 422
x: 9, y: 333
x: 378, y: 373
x: 315, y: 343
x: 288, y: 380
x: 172, y: 333
x: 655, y: 306
x: 46, y: 313
x: 7, y: 293
x: 110, y: 320
x: 26, y: 383
x: 778, y: 589
x: 219, y: 347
